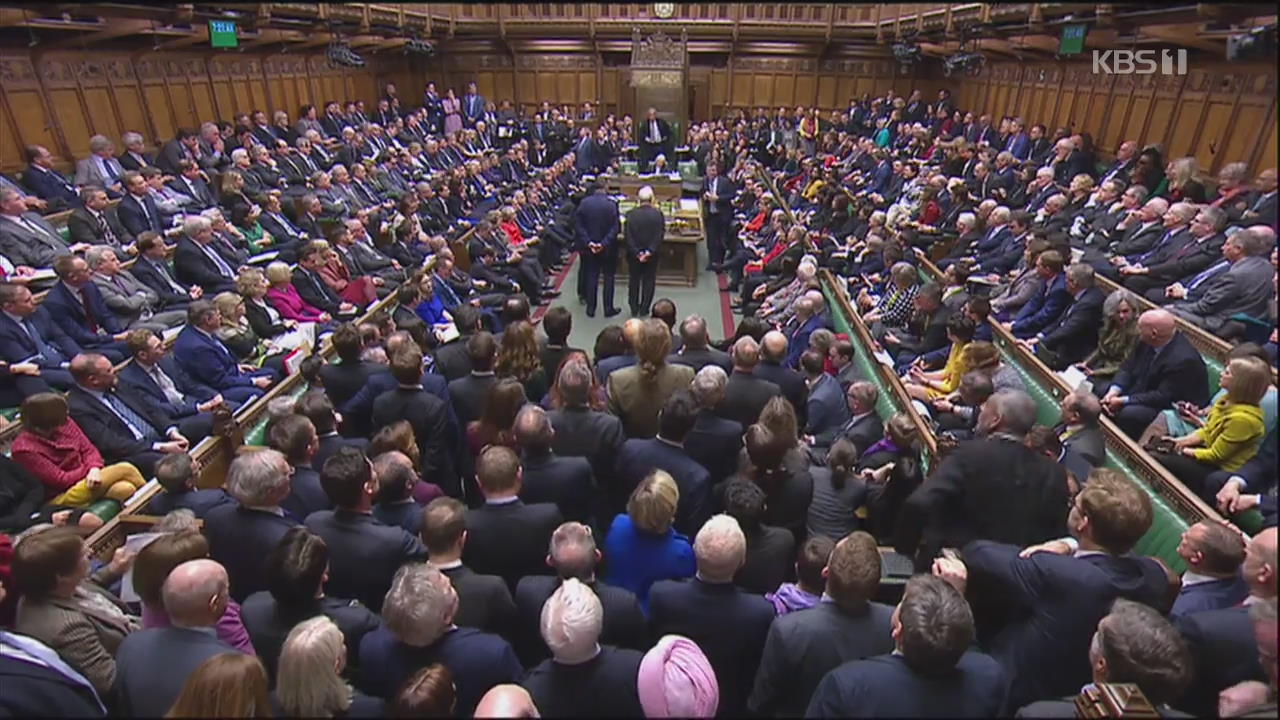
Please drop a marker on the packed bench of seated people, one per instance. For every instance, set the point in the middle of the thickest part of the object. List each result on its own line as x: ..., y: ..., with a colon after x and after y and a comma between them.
x: 466, y: 515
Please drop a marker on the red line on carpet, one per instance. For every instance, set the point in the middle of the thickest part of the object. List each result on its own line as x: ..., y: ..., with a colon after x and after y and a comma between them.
x: 726, y: 314
x: 560, y: 277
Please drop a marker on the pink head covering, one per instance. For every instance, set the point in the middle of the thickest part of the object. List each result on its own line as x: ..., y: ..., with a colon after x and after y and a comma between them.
x: 676, y: 680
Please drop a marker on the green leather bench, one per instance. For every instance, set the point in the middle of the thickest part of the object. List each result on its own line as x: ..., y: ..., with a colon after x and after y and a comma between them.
x: 257, y: 435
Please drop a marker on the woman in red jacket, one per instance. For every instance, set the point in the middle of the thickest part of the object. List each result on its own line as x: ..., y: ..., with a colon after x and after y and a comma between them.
x: 54, y: 449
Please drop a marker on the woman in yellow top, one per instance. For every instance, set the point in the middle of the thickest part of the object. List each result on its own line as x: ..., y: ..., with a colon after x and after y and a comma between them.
x: 927, y: 386
x: 1233, y: 431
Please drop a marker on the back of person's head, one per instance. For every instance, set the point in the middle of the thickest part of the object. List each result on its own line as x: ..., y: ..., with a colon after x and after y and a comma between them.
x: 572, y: 551
x: 406, y: 365
x: 652, y: 505
x: 428, y: 693
x: 316, y: 406
x: 308, y: 679
x: 720, y: 548
x: 677, y: 417
x: 677, y: 680
x: 42, y: 413
x: 609, y: 343
x: 1086, y: 406
x: 347, y: 343
x: 932, y: 626
x: 853, y: 571
x: 779, y: 416
x: 744, y: 501
x: 652, y: 347
x: 708, y: 386
x: 693, y: 333
x: 498, y: 470
x: 571, y: 622
x: 1016, y: 410
x: 1116, y: 511
x: 175, y: 471
x: 765, y: 451
x: 397, y: 476
x: 811, y: 560
x: 42, y: 559
x: 296, y: 567
x: 745, y: 353
x: 1136, y: 644
x: 294, y: 436
x: 506, y: 701
x: 482, y: 349
x: 557, y: 323
x: 1217, y: 548
x: 420, y: 605
x: 155, y: 561
x: 396, y: 437
x: 533, y: 429
x: 443, y: 523
x: 227, y: 685
x: 258, y: 477
x: 195, y: 593
x: 812, y: 362
x: 344, y: 477
x: 664, y: 309
x: 842, y: 461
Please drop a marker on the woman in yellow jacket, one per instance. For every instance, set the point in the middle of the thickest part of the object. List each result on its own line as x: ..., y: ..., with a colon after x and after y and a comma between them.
x: 927, y: 386
x: 1233, y: 431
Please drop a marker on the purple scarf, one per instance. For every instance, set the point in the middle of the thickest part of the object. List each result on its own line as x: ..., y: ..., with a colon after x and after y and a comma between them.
x: 885, y: 443
x: 790, y: 598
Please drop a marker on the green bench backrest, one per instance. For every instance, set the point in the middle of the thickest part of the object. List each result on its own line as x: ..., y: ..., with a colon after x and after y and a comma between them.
x: 257, y: 435
x: 1167, y: 525
x: 64, y: 232
x: 1214, y: 368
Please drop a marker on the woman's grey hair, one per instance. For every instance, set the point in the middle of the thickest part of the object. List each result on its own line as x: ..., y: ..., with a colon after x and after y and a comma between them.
x: 575, y: 383
x: 194, y: 225
x: 177, y: 521
x: 1112, y: 304
x: 708, y: 386
x: 239, y: 153
x: 903, y: 273
x: 94, y: 255
x: 307, y: 680
x: 255, y: 477
x: 98, y: 143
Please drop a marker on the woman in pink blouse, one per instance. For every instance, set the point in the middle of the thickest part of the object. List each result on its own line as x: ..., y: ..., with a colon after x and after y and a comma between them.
x: 284, y: 297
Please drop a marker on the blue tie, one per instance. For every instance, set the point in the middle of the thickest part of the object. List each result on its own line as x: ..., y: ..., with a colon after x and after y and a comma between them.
x: 1207, y: 274
x: 449, y: 297
x: 1156, y: 248
x: 140, y: 427
x: 43, y: 349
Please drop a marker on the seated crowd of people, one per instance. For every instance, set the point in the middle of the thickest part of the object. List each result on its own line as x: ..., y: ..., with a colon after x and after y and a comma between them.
x: 465, y: 515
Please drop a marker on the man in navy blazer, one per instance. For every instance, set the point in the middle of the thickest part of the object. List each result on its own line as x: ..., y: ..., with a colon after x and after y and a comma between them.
x: 364, y: 554
x: 566, y: 481
x: 1044, y: 308
x: 827, y: 409
x: 506, y: 537
x: 162, y: 382
x: 179, y: 649
x: 242, y: 533
x: 1074, y: 334
x: 808, y: 317
x: 177, y: 474
x: 717, y: 200
x: 76, y: 305
x: 28, y: 334
x: 1062, y: 588
x: 137, y: 210
x: 208, y: 361
x: 196, y: 262
x: 1164, y: 368
x: 1213, y: 553
x: 728, y: 624
x: 641, y: 456
x: 37, y: 683
x: 45, y: 182
x: 596, y: 220
x: 1018, y: 145
x: 714, y: 442
x: 153, y: 270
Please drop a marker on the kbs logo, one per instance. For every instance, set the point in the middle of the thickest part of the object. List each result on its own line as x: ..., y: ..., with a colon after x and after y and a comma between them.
x: 1139, y: 62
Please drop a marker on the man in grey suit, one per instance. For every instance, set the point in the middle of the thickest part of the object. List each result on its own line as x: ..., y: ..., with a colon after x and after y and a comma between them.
x: 26, y: 238
x: 1244, y: 286
x: 1079, y: 429
x: 195, y: 596
x: 135, y: 304
x: 101, y: 168
x: 846, y: 625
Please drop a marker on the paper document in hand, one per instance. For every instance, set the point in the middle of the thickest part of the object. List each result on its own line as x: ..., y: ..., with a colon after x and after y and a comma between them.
x: 884, y: 358
x: 43, y: 274
x: 1076, y: 379
x: 448, y: 332
x: 134, y: 544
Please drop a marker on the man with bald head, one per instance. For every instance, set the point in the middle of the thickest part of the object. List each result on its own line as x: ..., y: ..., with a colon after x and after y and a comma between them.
x: 1241, y: 284
x: 1222, y: 643
x: 630, y: 333
x: 775, y: 350
x: 1139, y: 232
x: 1163, y: 369
x: 1126, y: 156
x: 506, y: 701
x: 152, y: 665
x: 1261, y: 205
x: 566, y: 481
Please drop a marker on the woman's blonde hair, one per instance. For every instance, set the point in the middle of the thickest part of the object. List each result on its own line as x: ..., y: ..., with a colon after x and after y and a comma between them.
x: 248, y: 279
x: 232, y: 181
x: 979, y: 355
x: 652, y: 505
x: 308, y: 683
x: 1250, y: 379
x: 1184, y: 171
x: 226, y: 303
x: 653, y: 344
x: 779, y: 416
x: 278, y: 272
x: 227, y: 685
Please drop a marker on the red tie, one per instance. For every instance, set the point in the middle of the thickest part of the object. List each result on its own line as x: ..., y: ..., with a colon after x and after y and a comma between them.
x: 88, y: 311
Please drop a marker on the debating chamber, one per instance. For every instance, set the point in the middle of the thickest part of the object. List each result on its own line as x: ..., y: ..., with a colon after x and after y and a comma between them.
x: 663, y: 360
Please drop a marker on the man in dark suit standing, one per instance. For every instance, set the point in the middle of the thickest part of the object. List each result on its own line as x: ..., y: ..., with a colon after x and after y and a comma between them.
x: 745, y: 394
x: 196, y: 594
x: 596, y: 220
x: 505, y: 536
x: 240, y: 533
x: 641, y: 456
x: 654, y: 135
x: 470, y: 392
x: 364, y: 554
x: 932, y: 670
x: 427, y: 413
x: 645, y: 227
x: 695, y: 350
x: 827, y: 410
x: 773, y: 367
x: 566, y: 481
x: 484, y: 601
x: 295, y: 437
x: 581, y: 431
x: 728, y: 624
x: 343, y: 379
x: 573, y: 554
x: 1025, y: 503
x: 123, y: 426
x: 717, y: 198
x: 1062, y: 588
x: 1163, y: 369
x: 714, y: 442
x: 1074, y: 335
x: 805, y: 645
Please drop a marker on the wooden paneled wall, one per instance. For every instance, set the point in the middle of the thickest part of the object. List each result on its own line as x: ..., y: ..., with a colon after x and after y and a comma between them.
x: 61, y: 99
x: 1218, y: 112
x: 751, y: 82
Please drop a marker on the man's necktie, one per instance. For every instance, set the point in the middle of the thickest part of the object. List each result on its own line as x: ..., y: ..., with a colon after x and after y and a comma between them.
x: 1207, y: 274
x: 36, y: 230
x: 49, y: 352
x: 89, y: 319
x: 222, y: 265
x: 111, y: 171
x: 166, y: 385
x: 141, y: 429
